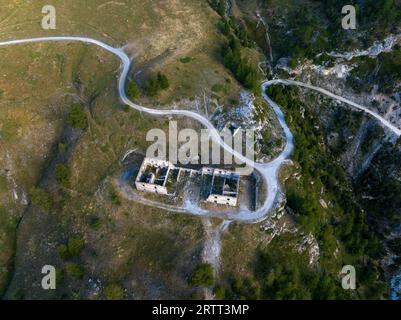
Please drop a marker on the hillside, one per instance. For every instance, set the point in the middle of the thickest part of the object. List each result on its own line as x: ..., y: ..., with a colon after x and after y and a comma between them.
x: 68, y: 142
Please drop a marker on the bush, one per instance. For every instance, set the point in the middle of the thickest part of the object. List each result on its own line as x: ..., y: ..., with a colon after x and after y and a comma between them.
x: 224, y: 27
x: 152, y: 88
x: 75, y: 245
x: 115, y: 198
x: 155, y: 84
x: 62, y: 251
x: 185, y: 59
x: 218, y: 88
x: 41, y: 198
x: 219, y: 6
x: 62, y: 175
x: 61, y: 147
x: 133, y: 91
x: 73, y: 248
x: 77, y: 117
x: 75, y: 271
x: 202, y: 275
x: 59, y: 276
x: 113, y: 292
x: 219, y: 292
x: 95, y: 223
x: 162, y: 81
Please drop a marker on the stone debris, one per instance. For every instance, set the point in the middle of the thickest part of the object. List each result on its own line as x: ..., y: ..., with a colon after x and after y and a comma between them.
x: 309, y: 242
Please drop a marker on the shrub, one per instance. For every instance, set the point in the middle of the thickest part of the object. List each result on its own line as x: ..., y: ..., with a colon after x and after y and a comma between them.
x: 185, y: 59
x: 162, y: 81
x: 41, y: 198
x: 61, y: 147
x: 62, y: 175
x: 202, y: 275
x: 73, y: 248
x: 113, y: 292
x: 115, y: 198
x: 95, y: 223
x: 62, y: 251
x: 152, y: 87
x: 75, y: 245
x: 218, y: 88
x: 219, y: 6
x: 75, y: 271
x: 219, y: 292
x: 133, y: 91
x: 224, y: 27
x: 155, y: 84
x: 59, y: 276
x: 77, y: 117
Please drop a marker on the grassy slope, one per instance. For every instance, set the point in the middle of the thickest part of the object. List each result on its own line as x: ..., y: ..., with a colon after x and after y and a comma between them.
x: 156, y: 34
x: 33, y: 118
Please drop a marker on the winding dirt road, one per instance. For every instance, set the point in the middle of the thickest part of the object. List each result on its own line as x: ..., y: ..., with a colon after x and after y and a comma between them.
x: 268, y: 170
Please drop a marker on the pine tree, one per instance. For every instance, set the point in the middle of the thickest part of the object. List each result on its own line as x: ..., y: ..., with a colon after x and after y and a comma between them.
x: 162, y: 81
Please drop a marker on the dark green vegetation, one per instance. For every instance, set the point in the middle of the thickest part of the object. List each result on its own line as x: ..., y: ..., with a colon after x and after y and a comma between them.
x: 61, y: 147
x: 380, y: 182
x: 346, y: 220
x: 228, y: 24
x: 7, y: 244
x: 238, y: 38
x: 133, y: 91
x: 241, y: 68
x: 114, y: 196
x: 379, y: 190
x: 185, y: 59
x: 219, y: 88
x: 281, y: 273
x: 156, y: 83
x: 349, y: 216
x: 69, y: 253
x: 343, y: 119
x: 62, y: 174
x: 202, y: 276
x: 77, y: 117
x: 73, y: 248
x: 113, y: 292
x: 385, y: 71
x: 41, y: 198
x: 75, y: 271
x: 7, y: 131
x: 303, y: 29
